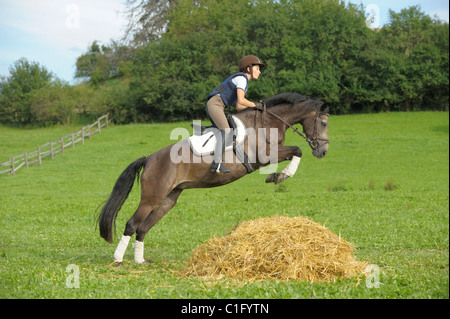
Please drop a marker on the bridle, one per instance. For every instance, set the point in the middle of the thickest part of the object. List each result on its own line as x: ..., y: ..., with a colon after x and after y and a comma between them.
x: 313, y: 140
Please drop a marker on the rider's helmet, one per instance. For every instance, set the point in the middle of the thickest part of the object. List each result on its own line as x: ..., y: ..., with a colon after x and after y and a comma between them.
x: 249, y: 61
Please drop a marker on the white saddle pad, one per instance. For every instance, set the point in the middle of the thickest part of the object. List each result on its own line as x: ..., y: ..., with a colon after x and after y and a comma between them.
x: 205, y: 144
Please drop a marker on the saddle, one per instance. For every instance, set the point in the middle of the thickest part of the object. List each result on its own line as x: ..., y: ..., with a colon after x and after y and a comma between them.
x: 203, y: 142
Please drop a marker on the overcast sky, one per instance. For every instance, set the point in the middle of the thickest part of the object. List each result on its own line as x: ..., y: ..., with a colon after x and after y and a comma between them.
x: 56, y: 32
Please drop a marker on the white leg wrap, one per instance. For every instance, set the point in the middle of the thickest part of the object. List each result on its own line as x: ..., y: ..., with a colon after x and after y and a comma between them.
x: 291, y: 168
x: 139, y: 252
x: 121, y: 248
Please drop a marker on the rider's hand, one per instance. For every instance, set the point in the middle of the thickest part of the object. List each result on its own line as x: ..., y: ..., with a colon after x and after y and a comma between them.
x: 259, y: 106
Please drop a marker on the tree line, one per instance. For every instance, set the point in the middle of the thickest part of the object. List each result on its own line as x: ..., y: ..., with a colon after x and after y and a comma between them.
x: 177, y: 51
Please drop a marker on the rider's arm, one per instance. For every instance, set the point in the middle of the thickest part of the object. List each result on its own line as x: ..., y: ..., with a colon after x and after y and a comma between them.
x: 242, y: 103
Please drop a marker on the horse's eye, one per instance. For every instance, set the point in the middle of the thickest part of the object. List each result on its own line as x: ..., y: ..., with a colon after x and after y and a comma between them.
x: 324, y: 124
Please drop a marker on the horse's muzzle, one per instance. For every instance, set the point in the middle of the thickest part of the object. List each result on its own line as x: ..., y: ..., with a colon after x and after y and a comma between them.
x: 321, y: 151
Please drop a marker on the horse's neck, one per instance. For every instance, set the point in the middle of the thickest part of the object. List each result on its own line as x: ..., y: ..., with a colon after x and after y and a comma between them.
x: 293, y: 114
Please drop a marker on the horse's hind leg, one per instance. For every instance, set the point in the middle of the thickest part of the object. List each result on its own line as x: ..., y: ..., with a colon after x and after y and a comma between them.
x: 137, y: 220
x: 138, y: 217
x: 157, y: 182
x: 154, y: 217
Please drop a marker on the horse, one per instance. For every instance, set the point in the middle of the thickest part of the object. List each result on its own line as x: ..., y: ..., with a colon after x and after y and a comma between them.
x: 163, y: 179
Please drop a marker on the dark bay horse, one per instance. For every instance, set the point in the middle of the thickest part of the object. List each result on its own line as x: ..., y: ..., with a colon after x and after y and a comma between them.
x: 163, y: 179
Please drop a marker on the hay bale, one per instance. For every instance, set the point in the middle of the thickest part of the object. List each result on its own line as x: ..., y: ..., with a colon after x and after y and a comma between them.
x: 276, y: 248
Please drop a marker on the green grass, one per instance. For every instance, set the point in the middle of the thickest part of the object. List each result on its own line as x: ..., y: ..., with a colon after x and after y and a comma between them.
x: 384, y: 186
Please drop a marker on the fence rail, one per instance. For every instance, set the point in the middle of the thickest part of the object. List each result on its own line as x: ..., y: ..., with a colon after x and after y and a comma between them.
x: 53, y: 148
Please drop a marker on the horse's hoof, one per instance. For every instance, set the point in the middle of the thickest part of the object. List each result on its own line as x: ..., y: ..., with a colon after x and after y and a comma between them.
x: 281, y: 177
x: 271, y: 178
x: 118, y: 264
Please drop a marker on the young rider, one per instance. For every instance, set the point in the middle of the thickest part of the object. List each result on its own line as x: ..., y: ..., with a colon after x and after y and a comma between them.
x: 231, y: 91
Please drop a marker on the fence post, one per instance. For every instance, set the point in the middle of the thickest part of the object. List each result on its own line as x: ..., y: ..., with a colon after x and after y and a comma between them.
x: 39, y: 156
x: 73, y: 140
x: 82, y: 135
x: 51, y: 149
x: 62, y: 145
x: 99, y: 126
x: 12, y: 166
x: 26, y: 159
x: 107, y: 121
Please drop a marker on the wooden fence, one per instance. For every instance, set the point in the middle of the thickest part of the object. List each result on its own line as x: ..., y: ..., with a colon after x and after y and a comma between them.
x: 53, y: 148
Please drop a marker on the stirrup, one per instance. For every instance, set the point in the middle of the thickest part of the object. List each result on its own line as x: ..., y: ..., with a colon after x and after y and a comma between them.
x: 219, y: 168
x: 223, y: 169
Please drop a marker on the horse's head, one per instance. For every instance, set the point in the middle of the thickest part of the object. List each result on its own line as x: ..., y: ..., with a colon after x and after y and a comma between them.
x: 308, y: 113
x: 316, y: 129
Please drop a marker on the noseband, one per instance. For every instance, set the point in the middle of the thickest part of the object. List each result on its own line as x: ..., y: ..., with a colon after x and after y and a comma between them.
x: 313, y: 140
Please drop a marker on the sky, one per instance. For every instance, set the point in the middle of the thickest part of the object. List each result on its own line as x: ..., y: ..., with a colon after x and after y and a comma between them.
x: 55, y: 32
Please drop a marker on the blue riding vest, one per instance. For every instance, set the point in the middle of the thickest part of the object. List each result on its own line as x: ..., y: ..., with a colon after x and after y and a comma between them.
x: 228, y: 90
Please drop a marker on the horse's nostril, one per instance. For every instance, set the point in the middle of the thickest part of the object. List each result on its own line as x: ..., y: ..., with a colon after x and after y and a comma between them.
x: 324, y: 153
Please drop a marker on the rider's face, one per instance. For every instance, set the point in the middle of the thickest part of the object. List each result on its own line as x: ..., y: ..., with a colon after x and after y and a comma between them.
x: 255, y: 72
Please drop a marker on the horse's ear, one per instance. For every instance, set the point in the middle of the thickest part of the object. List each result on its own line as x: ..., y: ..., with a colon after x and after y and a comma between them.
x: 327, y: 110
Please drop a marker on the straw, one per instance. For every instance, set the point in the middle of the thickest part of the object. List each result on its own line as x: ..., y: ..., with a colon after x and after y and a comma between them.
x: 276, y: 248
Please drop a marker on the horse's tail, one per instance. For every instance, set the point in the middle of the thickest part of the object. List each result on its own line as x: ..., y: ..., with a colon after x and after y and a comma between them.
x: 119, y: 194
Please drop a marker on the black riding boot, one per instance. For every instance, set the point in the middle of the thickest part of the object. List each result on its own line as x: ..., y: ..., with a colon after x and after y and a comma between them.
x: 217, y: 165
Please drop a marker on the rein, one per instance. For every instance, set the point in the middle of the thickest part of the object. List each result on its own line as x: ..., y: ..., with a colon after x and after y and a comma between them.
x: 313, y: 142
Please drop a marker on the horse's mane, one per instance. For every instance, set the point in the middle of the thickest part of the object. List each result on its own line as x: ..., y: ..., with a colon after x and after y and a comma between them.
x: 292, y: 98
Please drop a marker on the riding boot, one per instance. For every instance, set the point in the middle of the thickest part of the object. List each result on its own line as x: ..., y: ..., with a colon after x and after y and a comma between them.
x: 217, y: 165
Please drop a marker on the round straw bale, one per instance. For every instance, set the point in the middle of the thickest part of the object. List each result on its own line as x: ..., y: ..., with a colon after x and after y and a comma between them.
x: 277, y: 248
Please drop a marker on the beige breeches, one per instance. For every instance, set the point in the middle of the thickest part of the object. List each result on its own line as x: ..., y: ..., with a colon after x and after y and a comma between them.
x: 215, y: 108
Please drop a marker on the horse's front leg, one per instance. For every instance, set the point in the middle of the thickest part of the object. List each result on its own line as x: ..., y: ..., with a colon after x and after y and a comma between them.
x: 292, y: 153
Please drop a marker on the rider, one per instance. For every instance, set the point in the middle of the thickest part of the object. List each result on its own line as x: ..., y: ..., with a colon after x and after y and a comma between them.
x: 231, y: 91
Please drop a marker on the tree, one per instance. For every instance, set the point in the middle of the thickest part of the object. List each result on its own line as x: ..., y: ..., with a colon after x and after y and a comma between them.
x: 102, y: 63
x: 54, y: 103
x: 405, y: 65
x: 423, y: 56
x: 147, y: 20
x: 16, y: 89
x: 320, y: 49
x: 180, y: 50
x: 307, y: 46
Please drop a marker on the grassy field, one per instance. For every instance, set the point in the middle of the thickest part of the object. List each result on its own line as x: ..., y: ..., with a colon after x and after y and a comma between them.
x: 384, y: 186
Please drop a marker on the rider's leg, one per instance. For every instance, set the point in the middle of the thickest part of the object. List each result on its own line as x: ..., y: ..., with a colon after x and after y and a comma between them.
x: 215, y: 110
